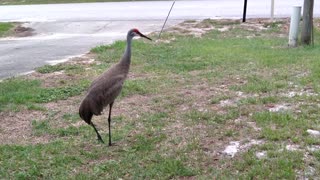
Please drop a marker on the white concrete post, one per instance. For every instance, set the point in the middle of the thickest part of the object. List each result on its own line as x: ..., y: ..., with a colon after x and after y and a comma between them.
x: 272, y: 10
x: 294, y: 26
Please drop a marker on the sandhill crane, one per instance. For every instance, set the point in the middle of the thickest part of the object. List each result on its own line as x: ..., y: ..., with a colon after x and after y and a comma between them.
x: 105, y: 89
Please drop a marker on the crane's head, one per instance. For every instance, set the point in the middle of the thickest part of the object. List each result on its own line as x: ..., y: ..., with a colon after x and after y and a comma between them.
x: 136, y: 32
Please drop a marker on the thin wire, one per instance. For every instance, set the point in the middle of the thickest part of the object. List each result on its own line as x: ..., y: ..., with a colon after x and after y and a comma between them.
x: 166, y: 19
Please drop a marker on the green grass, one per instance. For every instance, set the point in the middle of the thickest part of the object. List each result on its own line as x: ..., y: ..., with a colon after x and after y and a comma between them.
x: 278, y: 164
x: 169, y: 122
x: 53, y: 94
x: 37, y: 158
x: 40, y: 128
x: 19, y: 91
x: 44, y: 127
x: 5, y: 28
x: 71, y: 117
x: 59, y: 67
x: 211, y: 117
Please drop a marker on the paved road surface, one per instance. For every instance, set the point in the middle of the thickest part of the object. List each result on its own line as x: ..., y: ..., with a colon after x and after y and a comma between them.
x: 65, y: 30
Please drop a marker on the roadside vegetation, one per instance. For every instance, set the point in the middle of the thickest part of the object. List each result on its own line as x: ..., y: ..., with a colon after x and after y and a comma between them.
x: 6, y: 28
x: 209, y: 100
x: 21, y: 2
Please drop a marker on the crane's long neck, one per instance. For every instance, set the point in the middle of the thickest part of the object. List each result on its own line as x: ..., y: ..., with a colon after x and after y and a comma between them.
x: 126, y: 58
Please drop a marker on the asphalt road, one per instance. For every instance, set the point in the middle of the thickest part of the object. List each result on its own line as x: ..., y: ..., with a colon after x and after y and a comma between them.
x: 66, y: 30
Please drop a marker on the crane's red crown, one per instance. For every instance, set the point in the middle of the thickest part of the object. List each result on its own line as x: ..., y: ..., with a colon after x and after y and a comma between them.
x: 136, y: 30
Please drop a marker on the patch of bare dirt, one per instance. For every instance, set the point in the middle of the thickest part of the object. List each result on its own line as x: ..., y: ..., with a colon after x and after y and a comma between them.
x: 54, y: 79
x: 199, y: 102
x: 190, y: 28
x: 62, y: 107
x: 199, y: 28
x: 86, y: 59
x: 199, y: 96
x: 88, y: 166
x: 133, y: 106
x: 130, y: 108
x: 21, y: 31
x: 16, y: 128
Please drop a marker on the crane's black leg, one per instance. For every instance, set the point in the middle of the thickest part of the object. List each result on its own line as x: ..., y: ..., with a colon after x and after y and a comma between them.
x: 99, y: 137
x: 109, y: 122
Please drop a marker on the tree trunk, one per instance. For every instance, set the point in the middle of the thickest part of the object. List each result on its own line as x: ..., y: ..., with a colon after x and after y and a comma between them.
x: 307, y: 23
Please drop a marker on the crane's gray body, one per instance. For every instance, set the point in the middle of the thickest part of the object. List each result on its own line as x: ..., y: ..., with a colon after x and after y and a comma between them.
x: 105, y: 89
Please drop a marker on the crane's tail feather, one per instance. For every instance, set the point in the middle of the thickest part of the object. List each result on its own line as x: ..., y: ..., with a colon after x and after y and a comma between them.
x: 85, y: 111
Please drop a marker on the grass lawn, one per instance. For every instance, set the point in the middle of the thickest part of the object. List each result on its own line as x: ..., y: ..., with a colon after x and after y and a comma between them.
x: 5, y: 28
x: 18, y: 2
x: 232, y: 103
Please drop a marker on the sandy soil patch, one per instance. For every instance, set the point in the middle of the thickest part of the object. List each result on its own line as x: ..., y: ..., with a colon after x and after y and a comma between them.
x: 16, y: 128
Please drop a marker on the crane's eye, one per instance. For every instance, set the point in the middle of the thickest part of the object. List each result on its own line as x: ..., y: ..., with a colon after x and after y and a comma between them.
x: 134, y: 33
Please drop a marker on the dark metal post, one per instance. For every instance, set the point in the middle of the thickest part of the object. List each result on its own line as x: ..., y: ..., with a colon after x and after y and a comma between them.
x: 307, y: 23
x: 244, y: 11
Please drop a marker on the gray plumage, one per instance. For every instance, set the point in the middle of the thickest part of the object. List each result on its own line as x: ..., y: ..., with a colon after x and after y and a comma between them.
x: 105, y: 89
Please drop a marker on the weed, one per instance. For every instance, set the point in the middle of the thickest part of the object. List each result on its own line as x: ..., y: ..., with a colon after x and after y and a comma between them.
x: 40, y: 127
x: 317, y: 155
x: 71, y: 117
x: 59, y: 67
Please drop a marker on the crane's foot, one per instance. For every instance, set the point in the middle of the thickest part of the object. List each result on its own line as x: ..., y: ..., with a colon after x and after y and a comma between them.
x: 100, y: 140
x: 110, y: 144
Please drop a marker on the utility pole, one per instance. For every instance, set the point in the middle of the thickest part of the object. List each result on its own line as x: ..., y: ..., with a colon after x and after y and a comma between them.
x: 307, y: 23
x: 244, y: 11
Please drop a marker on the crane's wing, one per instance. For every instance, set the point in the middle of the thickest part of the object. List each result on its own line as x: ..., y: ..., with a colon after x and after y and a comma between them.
x: 104, y: 91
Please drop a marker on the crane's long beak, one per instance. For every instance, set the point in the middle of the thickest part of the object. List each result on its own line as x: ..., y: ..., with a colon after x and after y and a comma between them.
x: 145, y: 36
